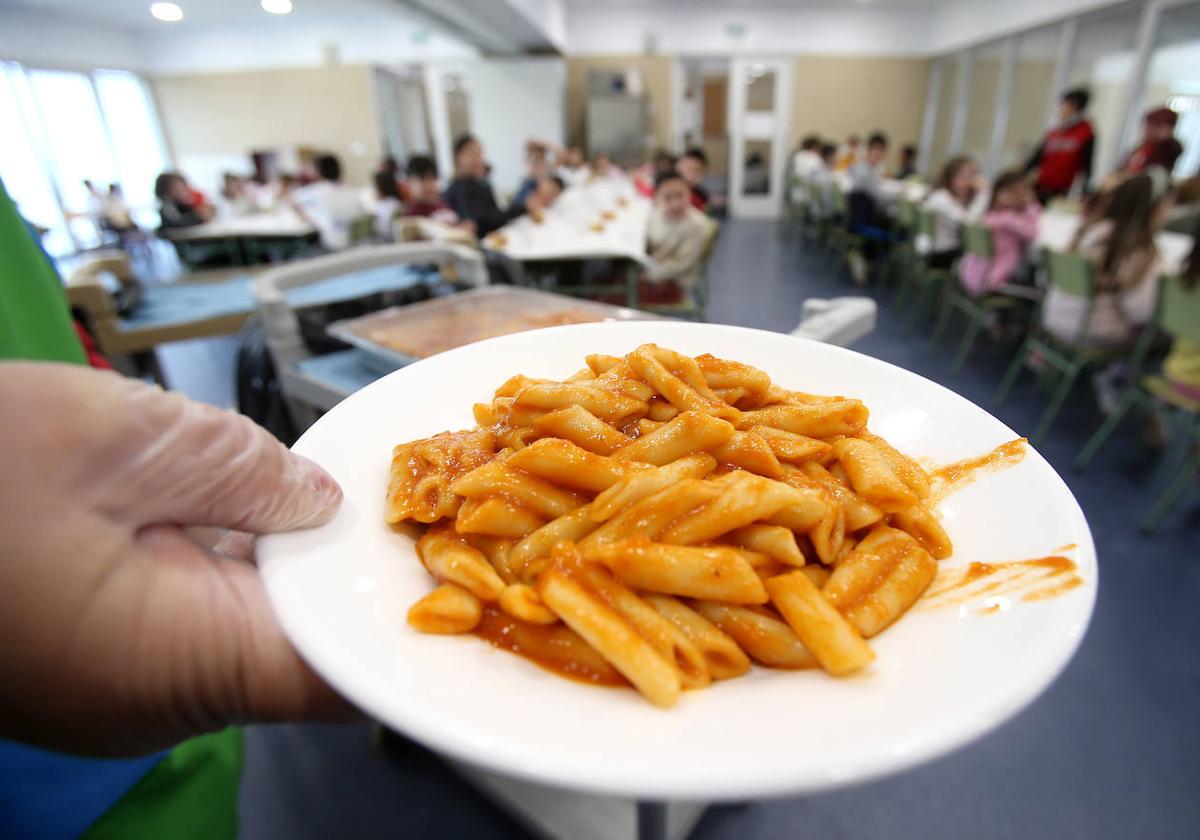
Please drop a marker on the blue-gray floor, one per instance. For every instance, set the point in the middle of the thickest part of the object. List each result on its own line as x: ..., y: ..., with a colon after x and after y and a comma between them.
x: 1111, y: 751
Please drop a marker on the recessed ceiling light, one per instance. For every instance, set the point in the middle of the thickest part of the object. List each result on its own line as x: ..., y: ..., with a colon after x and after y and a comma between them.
x: 168, y: 12
x: 277, y: 7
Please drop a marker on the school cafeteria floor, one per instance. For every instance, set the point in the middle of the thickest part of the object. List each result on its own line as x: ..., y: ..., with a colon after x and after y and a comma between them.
x: 1111, y: 751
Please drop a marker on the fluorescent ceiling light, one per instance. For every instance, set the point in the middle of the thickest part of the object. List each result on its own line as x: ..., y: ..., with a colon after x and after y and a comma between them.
x: 168, y: 12
x: 277, y: 7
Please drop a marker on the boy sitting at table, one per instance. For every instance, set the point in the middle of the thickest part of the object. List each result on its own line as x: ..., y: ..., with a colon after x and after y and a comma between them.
x: 424, y: 192
x: 676, y: 237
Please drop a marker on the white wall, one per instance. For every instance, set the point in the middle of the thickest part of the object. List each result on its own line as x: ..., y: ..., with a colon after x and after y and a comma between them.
x: 679, y: 28
x: 48, y: 40
x: 960, y: 23
x: 510, y: 100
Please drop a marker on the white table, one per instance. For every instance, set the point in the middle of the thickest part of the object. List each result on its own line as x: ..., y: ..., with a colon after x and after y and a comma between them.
x: 893, y: 188
x: 244, y: 238
x: 578, y: 227
x: 283, y: 224
x: 1056, y: 230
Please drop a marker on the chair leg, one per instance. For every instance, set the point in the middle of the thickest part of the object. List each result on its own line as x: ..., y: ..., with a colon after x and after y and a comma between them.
x: 1057, y: 401
x: 1171, y: 495
x: 1110, y: 424
x: 967, y: 344
x: 943, y: 320
x: 1010, y: 375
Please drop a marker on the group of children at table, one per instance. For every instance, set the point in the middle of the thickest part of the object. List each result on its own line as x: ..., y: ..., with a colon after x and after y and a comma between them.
x: 1116, y: 228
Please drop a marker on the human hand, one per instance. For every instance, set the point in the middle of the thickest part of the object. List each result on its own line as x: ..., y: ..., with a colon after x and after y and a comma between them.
x: 123, y: 633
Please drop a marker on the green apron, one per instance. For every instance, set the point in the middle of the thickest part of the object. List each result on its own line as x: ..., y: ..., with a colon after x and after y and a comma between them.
x: 192, y: 791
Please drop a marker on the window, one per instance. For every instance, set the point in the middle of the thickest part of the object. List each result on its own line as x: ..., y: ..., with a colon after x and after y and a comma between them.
x: 21, y: 167
x: 134, y: 137
x: 1104, y: 59
x: 939, y: 150
x: 981, y: 104
x: 1033, y: 80
x: 61, y: 128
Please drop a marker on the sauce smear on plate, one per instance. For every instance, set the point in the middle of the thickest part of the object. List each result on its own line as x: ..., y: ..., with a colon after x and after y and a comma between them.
x: 953, y: 477
x: 556, y: 648
x: 1031, y: 580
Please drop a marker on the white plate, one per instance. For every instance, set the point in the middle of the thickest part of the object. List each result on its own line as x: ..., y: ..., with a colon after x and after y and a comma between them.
x: 942, y: 677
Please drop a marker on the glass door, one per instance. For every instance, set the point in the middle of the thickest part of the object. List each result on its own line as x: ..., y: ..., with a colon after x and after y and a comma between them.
x: 760, y: 100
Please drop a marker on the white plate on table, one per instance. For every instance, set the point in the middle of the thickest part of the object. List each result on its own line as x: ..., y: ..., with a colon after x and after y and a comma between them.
x: 943, y: 677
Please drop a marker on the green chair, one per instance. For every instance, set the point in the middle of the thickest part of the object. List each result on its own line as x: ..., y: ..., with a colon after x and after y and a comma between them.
x: 900, y: 259
x: 979, y: 311
x: 1178, y: 317
x: 1071, y: 274
x: 821, y: 227
x: 924, y: 282
x: 845, y: 242
x: 362, y: 229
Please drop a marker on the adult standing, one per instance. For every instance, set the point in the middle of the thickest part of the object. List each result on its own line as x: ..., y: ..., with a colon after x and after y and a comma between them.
x: 471, y: 196
x: 1064, y: 157
x: 1158, y: 146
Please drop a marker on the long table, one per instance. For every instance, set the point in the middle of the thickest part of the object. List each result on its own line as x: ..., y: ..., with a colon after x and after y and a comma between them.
x: 602, y: 219
x: 1056, y: 230
x: 243, y: 239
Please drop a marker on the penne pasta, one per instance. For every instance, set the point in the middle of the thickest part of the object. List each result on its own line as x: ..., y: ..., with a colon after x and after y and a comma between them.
x: 715, y: 573
x: 578, y: 425
x: 818, y: 420
x: 722, y: 656
x: 637, y: 486
x: 920, y: 523
x: 449, y: 609
x: 765, y: 638
x: 905, y: 468
x: 667, y: 640
x: 660, y: 521
x: 748, y: 451
x: 493, y: 516
x: 749, y: 498
x: 833, y: 640
x: 522, y: 602
x: 871, y: 477
x: 451, y: 559
x: 564, y: 463
x: 571, y: 527
x: 689, y: 432
x: 611, y: 636
x: 772, y: 541
x: 608, y: 405
x: 497, y: 478
x: 878, y: 581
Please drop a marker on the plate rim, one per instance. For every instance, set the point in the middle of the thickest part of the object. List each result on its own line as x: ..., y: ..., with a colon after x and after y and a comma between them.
x: 306, y: 637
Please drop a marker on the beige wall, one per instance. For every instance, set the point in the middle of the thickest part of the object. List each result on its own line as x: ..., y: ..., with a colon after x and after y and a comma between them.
x: 836, y: 96
x: 656, y: 76
x: 221, y: 114
x: 1027, y: 119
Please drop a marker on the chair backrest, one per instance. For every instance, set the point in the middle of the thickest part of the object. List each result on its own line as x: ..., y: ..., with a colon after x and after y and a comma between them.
x: 1070, y: 273
x: 839, y: 201
x: 924, y: 221
x: 978, y: 240
x: 362, y: 229
x: 700, y: 292
x: 1179, y: 310
x: 906, y: 215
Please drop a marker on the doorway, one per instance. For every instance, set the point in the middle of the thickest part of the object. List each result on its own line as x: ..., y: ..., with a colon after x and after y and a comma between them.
x: 760, y: 111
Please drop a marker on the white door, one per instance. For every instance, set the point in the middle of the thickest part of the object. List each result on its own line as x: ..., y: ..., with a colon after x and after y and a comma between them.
x: 760, y: 116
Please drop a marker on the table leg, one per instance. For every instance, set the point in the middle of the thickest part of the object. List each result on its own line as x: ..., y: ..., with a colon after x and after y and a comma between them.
x: 631, y: 285
x: 651, y: 820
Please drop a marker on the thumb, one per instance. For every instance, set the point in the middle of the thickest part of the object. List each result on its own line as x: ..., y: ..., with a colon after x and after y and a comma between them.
x: 178, y: 461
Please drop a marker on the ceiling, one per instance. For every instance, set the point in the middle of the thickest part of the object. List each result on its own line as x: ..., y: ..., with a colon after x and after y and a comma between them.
x: 729, y: 5
x: 136, y: 13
